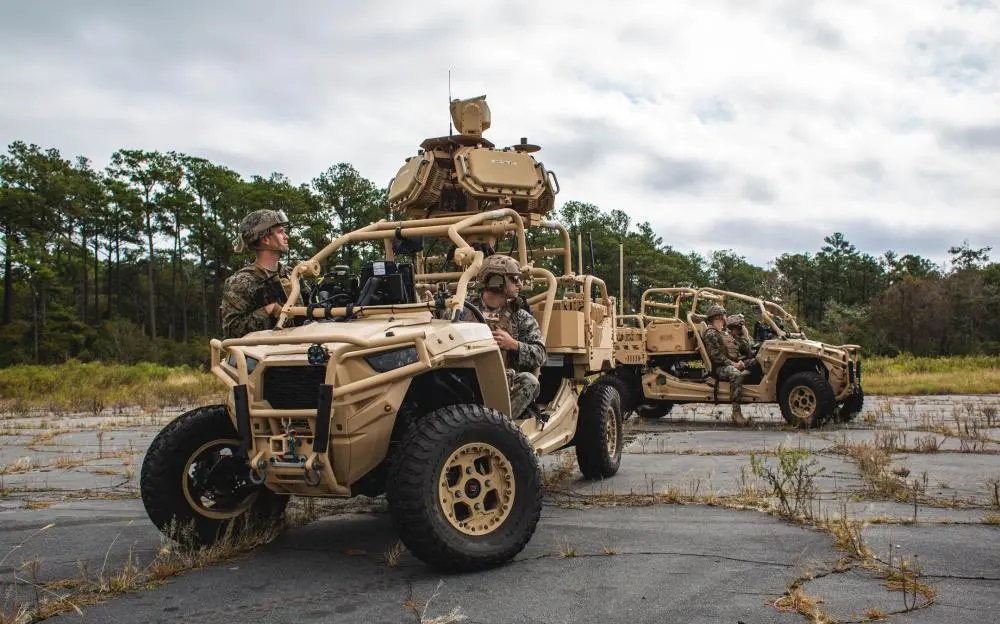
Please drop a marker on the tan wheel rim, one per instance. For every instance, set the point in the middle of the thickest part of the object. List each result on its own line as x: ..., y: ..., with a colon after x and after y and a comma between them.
x: 611, y: 433
x: 476, y: 489
x: 802, y: 403
x: 201, y: 504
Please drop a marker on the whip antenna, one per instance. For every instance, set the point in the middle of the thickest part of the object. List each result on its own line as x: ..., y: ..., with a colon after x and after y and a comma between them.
x: 449, y: 102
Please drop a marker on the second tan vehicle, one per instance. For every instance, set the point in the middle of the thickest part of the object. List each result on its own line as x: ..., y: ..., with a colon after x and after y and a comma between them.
x: 389, y: 381
x: 662, y: 359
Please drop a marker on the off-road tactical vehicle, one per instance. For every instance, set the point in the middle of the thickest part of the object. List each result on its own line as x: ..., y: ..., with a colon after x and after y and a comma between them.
x: 662, y: 359
x: 390, y: 382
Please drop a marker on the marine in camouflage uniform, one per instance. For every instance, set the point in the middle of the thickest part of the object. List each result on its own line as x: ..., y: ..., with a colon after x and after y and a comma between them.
x: 252, y: 297
x: 736, y: 326
x: 514, y: 328
x: 724, y: 355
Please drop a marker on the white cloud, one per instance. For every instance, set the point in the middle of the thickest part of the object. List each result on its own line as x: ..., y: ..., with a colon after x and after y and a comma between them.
x: 853, y: 116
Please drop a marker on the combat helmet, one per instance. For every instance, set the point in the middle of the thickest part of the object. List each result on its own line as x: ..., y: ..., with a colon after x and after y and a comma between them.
x: 734, y: 320
x: 495, y: 270
x: 714, y: 311
x: 256, y: 225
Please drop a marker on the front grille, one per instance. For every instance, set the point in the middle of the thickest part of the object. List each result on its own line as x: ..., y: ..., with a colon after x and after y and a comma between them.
x: 293, y: 387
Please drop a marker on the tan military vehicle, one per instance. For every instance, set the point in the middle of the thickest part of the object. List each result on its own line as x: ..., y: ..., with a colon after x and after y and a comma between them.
x: 662, y: 359
x: 368, y: 390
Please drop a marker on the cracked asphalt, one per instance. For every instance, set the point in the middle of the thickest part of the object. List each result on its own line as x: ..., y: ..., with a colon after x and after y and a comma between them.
x: 684, y: 532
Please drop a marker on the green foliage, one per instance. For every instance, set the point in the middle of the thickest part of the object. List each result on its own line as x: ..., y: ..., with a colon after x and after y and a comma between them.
x: 127, y: 264
x: 791, y: 479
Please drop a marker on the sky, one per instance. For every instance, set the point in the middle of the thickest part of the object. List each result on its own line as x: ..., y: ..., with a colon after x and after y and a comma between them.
x: 752, y: 125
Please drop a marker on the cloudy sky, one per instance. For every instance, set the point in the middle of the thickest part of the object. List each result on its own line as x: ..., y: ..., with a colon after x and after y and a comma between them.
x: 755, y: 125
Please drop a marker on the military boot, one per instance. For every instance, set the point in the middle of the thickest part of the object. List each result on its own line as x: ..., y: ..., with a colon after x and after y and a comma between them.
x: 738, y: 417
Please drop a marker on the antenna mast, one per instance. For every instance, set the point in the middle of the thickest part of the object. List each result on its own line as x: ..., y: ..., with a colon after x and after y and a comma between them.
x: 449, y: 102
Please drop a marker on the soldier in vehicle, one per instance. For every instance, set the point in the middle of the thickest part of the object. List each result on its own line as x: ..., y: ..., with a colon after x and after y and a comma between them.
x: 725, y: 358
x: 514, y: 328
x: 252, y: 297
x: 736, y: 326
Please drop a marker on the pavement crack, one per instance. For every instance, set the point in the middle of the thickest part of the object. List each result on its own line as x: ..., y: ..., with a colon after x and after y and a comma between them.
x: 651, y: 553
x: 960, y: 577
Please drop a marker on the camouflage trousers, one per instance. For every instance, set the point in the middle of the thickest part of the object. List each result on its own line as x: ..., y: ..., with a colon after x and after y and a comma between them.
x: 524, y: 388
x: 735, y: 378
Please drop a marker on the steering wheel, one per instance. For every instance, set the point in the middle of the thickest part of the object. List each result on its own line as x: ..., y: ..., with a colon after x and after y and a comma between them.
x: 475, y: 312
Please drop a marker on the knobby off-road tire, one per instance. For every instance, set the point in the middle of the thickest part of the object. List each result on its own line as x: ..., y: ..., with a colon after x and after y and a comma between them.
x: 464, y: 489
x: 629, y: 388
x: 655, y: 409
x: 807, y: 400
x: 851, y: 407
x: 599, y: 434
x: 186, y: 498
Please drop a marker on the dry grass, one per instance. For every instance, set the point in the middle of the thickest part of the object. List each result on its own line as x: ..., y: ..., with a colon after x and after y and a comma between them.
x: 94, y: 387
x: 556, y: 478
x: 992, y: 519
x: 566, y: 550
x: 796, y: 600
x: 20, y: 465
x: 924, y: 375
x: 393, y: 553
x: 51, y: 598
x: 873, y: 467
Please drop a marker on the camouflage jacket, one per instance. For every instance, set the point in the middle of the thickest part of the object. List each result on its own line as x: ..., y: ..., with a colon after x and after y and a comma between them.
x: 522, y: 326
x: 721, y: 347
x: 244, y: 296
x: 744, y: 346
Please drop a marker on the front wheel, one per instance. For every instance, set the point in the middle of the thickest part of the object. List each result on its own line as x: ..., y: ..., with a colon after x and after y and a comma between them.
x: 464, y: 489
x: 194, y: 486
x: 599, y: 435
x: 807, y: 399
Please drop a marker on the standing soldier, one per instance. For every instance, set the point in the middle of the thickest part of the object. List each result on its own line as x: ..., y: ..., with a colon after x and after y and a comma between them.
x: 724, y: 355
x: 253, y: 296
x: 514, y: 328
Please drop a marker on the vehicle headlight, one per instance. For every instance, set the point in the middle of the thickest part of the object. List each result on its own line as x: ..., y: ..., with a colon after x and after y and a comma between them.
x: 385, y: 361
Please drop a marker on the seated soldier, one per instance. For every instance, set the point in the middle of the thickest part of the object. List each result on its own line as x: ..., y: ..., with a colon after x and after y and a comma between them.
x: 736, y: 326
x: 725, y: 358
x: 514, y: 328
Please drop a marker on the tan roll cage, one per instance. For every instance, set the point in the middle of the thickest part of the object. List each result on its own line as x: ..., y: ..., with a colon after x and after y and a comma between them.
x: 454, y: 227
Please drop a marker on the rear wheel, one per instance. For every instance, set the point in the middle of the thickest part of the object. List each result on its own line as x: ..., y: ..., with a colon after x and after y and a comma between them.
x: 655, y: 409
x: 196, y: 488
x: 599, y: 436
x: 464, y: 489
x: 807, y: 399
x: 852, y: 406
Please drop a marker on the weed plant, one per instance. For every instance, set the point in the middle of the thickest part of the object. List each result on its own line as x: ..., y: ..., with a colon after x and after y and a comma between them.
x: 791, y: 480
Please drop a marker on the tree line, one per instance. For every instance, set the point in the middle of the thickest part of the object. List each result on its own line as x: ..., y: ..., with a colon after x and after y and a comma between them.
x: 127, y: 263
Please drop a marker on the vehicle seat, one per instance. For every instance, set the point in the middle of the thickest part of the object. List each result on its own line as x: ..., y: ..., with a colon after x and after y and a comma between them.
x: 697, y: 321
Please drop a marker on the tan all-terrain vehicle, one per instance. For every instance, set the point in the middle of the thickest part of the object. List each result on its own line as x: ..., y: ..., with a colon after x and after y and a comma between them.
x: 388, y: 381
x: 662, y: 359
